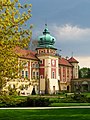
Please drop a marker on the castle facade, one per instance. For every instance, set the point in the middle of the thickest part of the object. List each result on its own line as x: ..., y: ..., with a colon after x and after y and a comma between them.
x: 45, y: 71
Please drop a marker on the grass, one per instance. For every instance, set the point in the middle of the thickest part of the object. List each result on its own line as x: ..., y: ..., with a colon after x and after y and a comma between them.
x: 87, y: 94
x: 52, y: 114
x: 69, y: 104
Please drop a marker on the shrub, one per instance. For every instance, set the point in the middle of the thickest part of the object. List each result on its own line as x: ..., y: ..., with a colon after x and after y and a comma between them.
x: 80, y: 98
x: 9, y: 101
x: 35, y: 102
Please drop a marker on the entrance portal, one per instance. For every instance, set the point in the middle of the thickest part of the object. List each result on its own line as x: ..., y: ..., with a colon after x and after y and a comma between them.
x: 68, y: 88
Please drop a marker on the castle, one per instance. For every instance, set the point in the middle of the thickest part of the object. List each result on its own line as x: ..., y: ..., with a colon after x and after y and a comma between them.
x: 45, y: 71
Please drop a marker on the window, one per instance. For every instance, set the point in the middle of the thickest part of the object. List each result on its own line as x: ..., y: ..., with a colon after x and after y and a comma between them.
x: 33, y: 65
x: 22, y: 74
x: 37, y: 75
x: 47, y: 50
x: 26, y: 74
x: 26, y: 65
x: 37, y: 65
x: 33, y: 74
x: 41, y: 39
x: 53, y: 74
x: 41, y: 61
x: 42, y: 51
x: 41, y: 76
x: 63, y: 75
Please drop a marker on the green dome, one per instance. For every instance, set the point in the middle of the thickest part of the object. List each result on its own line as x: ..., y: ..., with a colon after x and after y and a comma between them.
x: 46, y: 40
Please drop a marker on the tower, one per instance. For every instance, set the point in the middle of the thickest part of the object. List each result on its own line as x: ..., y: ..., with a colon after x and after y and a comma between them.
x: 74, y: 62
x: 46, y: 52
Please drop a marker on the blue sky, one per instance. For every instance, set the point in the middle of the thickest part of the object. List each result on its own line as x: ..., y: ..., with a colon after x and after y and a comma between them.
x: 68, y: 21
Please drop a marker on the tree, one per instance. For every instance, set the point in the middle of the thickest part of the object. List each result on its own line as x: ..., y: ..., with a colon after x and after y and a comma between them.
x: 84, y: 72
x: 34, y: 44
x: 12, y: 33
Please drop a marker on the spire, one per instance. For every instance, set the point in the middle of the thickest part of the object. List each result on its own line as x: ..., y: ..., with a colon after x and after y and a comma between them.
x: 72, y: 54
x: 45, y: 24
x: 46, y: 30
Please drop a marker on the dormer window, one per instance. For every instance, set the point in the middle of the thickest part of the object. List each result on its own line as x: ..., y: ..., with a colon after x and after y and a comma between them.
x: 42, y: 51
x: 53, y: 39
x: 47, y: 50
x: 41, y: 39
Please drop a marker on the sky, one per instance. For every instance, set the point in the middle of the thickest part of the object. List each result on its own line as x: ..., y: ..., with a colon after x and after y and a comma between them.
x: 68, y: 21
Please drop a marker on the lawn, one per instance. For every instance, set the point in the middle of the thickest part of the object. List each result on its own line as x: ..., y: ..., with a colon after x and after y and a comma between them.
x: 69, y: 104
x: 87, y: 94
x: 52, y: 114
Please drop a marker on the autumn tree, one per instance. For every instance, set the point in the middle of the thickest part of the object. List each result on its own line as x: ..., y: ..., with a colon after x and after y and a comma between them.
x: 13, y: 33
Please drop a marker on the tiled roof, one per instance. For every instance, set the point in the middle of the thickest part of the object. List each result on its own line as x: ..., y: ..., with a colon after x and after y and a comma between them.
x: 73, y: 60
x: 63, y: 61
x: 27, y: 54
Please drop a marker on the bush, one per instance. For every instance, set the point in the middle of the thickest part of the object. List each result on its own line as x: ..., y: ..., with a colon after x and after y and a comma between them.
x: 80, y: 98
x: 9, y: 101
x: 35, y: 102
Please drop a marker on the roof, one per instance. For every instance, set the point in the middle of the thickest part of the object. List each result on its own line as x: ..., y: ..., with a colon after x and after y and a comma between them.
x: 27, y: 54
x: 63, y: 61
x: 46, y: 40
x: 73, y: 60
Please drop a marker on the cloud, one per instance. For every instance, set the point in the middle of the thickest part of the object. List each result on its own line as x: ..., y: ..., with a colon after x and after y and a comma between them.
x: 84, y: 61
x: 71, y: 33
x: 71, y: 38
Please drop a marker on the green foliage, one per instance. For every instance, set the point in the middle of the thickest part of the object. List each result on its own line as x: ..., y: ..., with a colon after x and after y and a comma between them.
x: 10, y: 101
x: 73, y: 98
x: 12, y: 91
x: 35, y: 102
x: 80, y: 98
x: 12, y: 34
x: 84, y: 72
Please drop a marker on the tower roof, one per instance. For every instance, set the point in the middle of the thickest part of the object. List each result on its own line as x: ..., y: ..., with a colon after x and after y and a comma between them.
x: 46, y: 40
x: 73, y: 60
